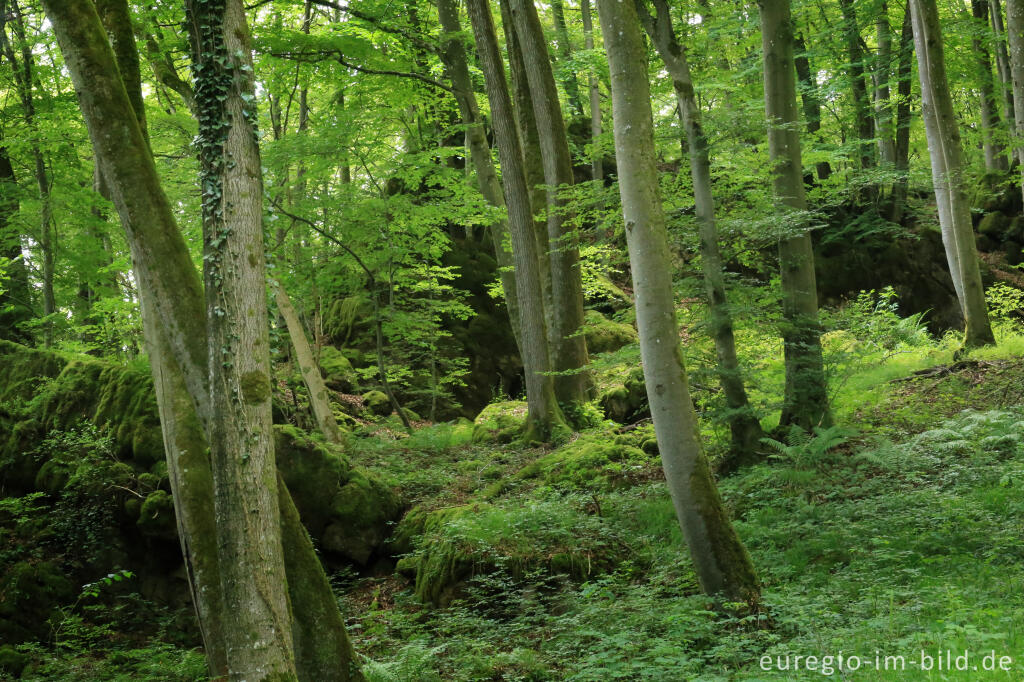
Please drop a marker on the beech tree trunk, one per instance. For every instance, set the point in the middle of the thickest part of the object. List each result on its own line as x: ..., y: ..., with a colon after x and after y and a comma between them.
x: 903, y: 91
x: 883, y: 106
x: 593, y: 85
x: 1015, y: 38
x: 1002, y: 63
x: 995, y: 158
x: 858, y: 87
x: 175, y: 330
x: 544, y: 417
x: 805, y: 402
x: 319, y: 398
x: 811, y: 102
x: 943, y: 132
x: 15, y: 289
x: 564, y: 45
x: 457, y: 68
x: 722, y: 564
x: 568, y: 345
x: 744, y: 425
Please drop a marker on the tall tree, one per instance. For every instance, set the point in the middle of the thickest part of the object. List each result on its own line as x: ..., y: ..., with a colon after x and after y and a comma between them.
x: 544, y: 417
x: 175, y: 329
x: 811, y: 100
x: 1002, y: 61
x: 744, y: 425
x: 593, y: 85
x: 722, y: 563
x: 993, y: 149
x: 884, y: 114
x: 568, y: 345
x: 15, y: 288
x: 943, y: 132
x: 568, y: 75
x: 901, y: 148
x: 1015, y: 38
x: 858, y: 86
x: 805, y: 402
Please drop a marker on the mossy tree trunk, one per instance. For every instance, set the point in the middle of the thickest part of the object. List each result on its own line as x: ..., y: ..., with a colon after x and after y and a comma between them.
x: 721, y: 562
x: 569, y: 347
x: 175, y: 330
x: 744, y: 425
x: 16, y: 294
x: 810, y: 100
x: 805, y: 401
x: 995, y: 158
x: 858, y: 87
x: 1015, y: 39
x: 884, y: 115
x: 544, y: 417
x: 593, y: 85
x: 943, y: 133
x: 904, y: 67
x: 1002, y: 62
x: 570, y: 83
x: 318, y: 396
x: 457, y: 68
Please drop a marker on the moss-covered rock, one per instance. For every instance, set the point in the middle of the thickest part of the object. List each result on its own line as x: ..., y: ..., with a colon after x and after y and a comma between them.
x: 994, y: 226
x: 337, y: 370
x: 501, y: 422
x: 52, y: 477
x: 626, y: 402
x: 350, y: 511
x: 450, y: 545
x: 29, y: 594
x: 156, y: 516
x: 604, y: 335
x: 592, y: 463
x: 377, y: 402
x: 603, y: 295
x: 12, y: 661
x: 345, y: 318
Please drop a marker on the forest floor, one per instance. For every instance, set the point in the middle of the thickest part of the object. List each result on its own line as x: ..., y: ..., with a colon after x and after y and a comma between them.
x: 888, y: 541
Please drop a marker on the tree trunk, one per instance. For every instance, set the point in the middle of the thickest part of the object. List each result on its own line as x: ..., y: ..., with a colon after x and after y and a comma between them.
x: 744, y: 425
x: 596, y: 156
x: 319, y: 398
x: 943, y: 134
x: 722, y: 564
x: 805, y: 402
x: 568, y: 76
x: 1003, y: 63
x: 995, y: 158
x: 175, y: 328
x: 903, y: 91
x: 809, y: 97
x: 544, y: 418
x: 883, y: 105
x: 858, y: 87
x: 1015, y: 37
x: 457, y: 68
x: 568, y: 344
x: 15, y: 289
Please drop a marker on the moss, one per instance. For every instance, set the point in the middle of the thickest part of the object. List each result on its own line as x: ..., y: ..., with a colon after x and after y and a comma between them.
x: 602, y: 294
x: 604, y: 335
x: 346, y: 317
x: 52, y: 477
x: 452, y: 544
x: 592, y: 464
x: 12, y: 661
x: 502, y: 422
x: 255, y: 387
x: 994, y: 225
x: 337, y: 370
x: 156, y: 517
x: 377, y: 402
x: 626, y: 402
x: 349, y: 510
x: 29, y: 594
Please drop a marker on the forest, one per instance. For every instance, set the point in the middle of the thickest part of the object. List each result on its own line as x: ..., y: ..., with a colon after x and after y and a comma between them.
x: 363, y: 340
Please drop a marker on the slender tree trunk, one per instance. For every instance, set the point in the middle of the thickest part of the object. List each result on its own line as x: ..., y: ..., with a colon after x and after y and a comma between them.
x: 1015, y: 38
x: 943, y: 133
x: 995, y: 158
x: 903, y: 92
x: 175, y: 327
x: 1003, y: 63
x: 15, y: 290
x: 722, y: 564
x: 319, y: 398
x: 457, y: 68
x: 568, y: 76
x: 568, y: 345
x: 544, y: 418
x: 858, y: 87
x: 883, y: 105
x: 811, y: 103
x: 593, y: 85
x: 744, y: 425
x: 805, y: 402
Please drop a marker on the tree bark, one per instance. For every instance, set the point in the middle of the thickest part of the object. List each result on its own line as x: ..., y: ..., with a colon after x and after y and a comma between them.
x: 456, y: 65
x: 564, y: 45
x: 743, y: 424
x: 175, y: 329
x: 722, y: 564
x: 1003, y: 63
x: 883, y: 105
x: 15, y: 288
x: 568, y: 344
x: 593, y: 85
x: 544, y: 417
x: 805, y: 402
x: 319, y: 398
x: 858, y: 87
x: 943, y: 134
x: 811, y: 102
x: 903, y: 92
x: 995, y: 158
x: 1015, y: 38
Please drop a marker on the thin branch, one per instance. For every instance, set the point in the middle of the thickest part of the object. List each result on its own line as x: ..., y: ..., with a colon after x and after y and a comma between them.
x: 325, y: 235
x: 378, y: 22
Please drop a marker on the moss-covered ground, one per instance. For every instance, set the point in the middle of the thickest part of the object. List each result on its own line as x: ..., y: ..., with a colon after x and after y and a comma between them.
x: 897, y: 533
